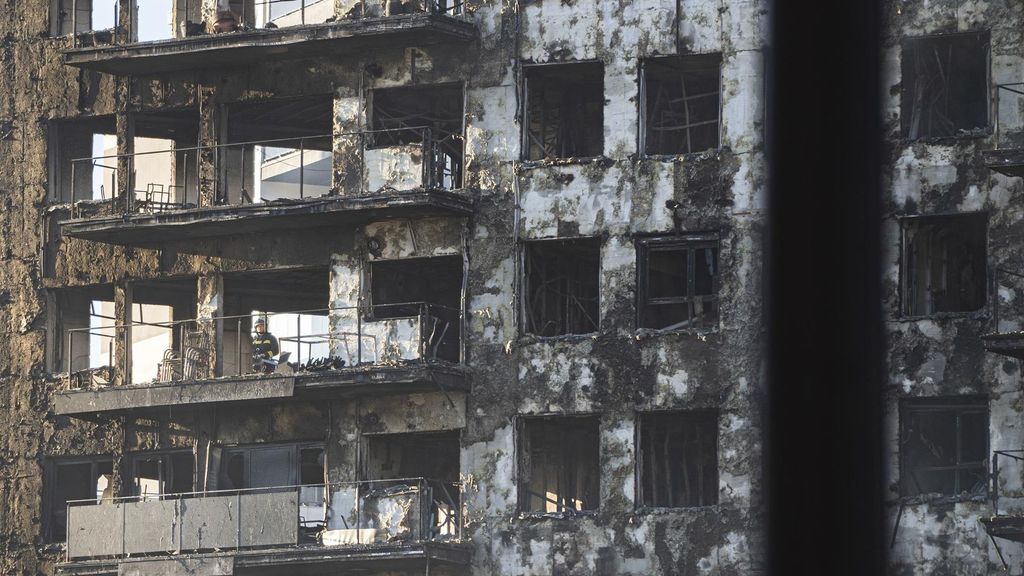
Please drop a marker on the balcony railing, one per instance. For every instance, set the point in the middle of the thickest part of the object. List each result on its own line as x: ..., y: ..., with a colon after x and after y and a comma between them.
x: 273, y: 170
x: 353, y: 336
x: 406, y: 511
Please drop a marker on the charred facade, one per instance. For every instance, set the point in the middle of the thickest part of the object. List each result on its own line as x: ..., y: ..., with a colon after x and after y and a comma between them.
x: 381, y: 287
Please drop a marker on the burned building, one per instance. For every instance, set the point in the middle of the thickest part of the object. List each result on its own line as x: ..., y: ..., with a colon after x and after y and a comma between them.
x: 509, y: 254
x: 953, y: 74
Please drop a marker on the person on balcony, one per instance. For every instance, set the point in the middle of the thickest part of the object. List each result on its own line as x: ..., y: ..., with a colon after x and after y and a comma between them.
x: 264, y: 347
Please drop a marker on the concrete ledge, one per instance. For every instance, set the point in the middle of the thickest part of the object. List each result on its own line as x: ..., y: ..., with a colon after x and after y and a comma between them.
x: 1008, y: 344
x: 153, y: 229
x: 1008, y: 161
x: 120, y: 398
x: 247, y: 48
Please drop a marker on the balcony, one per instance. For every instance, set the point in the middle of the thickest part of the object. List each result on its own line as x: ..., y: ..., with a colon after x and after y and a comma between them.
x: 341, y: 179
x: 331, y: 352
x: 305, y: 28
x: 1008, y: 156
x: 1007, y: 524
x: 1009, y: 344
x: 339, y: 526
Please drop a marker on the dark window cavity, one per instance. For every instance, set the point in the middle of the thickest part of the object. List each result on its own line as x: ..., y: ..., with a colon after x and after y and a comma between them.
x: 155, y: 474
x: 681, y: 103
x: 84, y: 332
x: 678, y: 458
x: 944, y: 446
x: 427, y: 115
x: 86, y: 478
x: 559, y: 464
x: 678, y: 282
x: 80, y: 157
x: 564, y: 111
x: 944, y: 263
x: 562, y: 286
x: 945, y: 84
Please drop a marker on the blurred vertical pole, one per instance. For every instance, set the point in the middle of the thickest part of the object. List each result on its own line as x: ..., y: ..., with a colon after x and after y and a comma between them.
x: 824, y: 467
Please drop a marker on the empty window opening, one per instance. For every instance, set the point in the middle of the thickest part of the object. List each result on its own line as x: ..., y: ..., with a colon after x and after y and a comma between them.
x: 158, y: 474
x: 161, y: 315
x: 432, y: 456
x: 277, y: 149
x: 678, y: 282
x: 681, y: 103
x: 77, y: 171
x: 944, y: 446
x: 423, y: 126
x: 562, y: 286
x: 427, y: 289
x: 559, y: 464
x: 67, y: 16
x: 84, y: 322
x: 86, y: 478
x: 678, y: 459
x: 944, y: 260
x: 293, y: 304
x: 164, y: 166
x: 156, y: 19
x: 945, y: 84
x: 564, y: 111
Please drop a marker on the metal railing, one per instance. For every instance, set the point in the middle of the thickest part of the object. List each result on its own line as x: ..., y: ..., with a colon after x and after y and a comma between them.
x: 181, y: 178
x: 364, y: 513
x: 384, y: 334
x: 1016, y: 456
x: 999, y: 273
x: 1013, y: 88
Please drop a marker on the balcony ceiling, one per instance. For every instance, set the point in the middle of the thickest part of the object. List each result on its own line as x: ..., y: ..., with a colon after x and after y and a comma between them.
x: 246, y: 48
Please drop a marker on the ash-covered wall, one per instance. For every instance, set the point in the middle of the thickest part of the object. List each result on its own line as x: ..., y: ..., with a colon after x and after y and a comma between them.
x: 619, y: 196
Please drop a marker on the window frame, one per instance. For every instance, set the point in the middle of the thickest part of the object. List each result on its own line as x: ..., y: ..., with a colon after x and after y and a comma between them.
x: 690, y: 243
x: 904, y: 295
x: 524, y: 291
x: 247, y: 449
x: 132, y: 460
x: 50, y: 504
x: 959, y: 406
x: 697, y: 414
x: 523, y: 463
x: 524, y: 111
x: 642, y: 108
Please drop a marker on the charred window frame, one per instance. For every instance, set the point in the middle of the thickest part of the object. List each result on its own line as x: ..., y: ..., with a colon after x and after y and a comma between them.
x: 945, y: 84
x: 247, y: 467
x: 944, y: 264
x: 73, y: 478
x: 563, y: 111
x: 155, y: 474
x: 559, y: 464
x: 80, y: 139
x: 562, y: 286
x: 677, y: 458
x: 677, y: 282
x: 76, y: 309
x: 680, y: 104
x: 944, y: 446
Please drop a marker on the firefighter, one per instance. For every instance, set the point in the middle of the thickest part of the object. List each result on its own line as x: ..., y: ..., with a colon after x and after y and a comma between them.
x: 264, y: 346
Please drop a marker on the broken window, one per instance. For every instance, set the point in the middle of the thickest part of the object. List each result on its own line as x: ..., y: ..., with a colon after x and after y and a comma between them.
x: 562, y: 286
x: 84, y: 331
x: 678, y: 458
x: 78, y: 478
x: 293, y: 303
x: 678, y: 282
x: 271, y: 466
x: 277, y: 149
x: 564, y: 111
x: 944, y: 263
x: 944, y: 445
x: 77, y: 166
x: 67, y: 16
x: 945, y: 84
x: 155, y: 474
x: 559, y: 464
x: 681, y: 103
x: 418, y: 122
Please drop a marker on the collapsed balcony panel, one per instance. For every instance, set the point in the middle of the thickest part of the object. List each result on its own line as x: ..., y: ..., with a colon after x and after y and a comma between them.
x: 245, y: 48
x: 155, y: 229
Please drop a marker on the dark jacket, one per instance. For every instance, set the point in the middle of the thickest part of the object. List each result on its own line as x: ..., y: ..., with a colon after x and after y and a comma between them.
x: 265, y: 346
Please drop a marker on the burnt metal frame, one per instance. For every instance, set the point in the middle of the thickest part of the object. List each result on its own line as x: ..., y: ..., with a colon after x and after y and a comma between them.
x: 688, y: 243
x: 165, y: 457
x: 957, y: 405
x: 639, y: 429
x: 643, y: 112
x: 50, y: 486
x: 904, y: 262
x: 524, y: 465
x: 524, y: 104
x: 904, y: 117
x: 524, y: 304
x: 246, y: 450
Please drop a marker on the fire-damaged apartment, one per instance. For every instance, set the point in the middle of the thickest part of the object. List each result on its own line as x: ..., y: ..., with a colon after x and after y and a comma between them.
x: 381, y: 287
